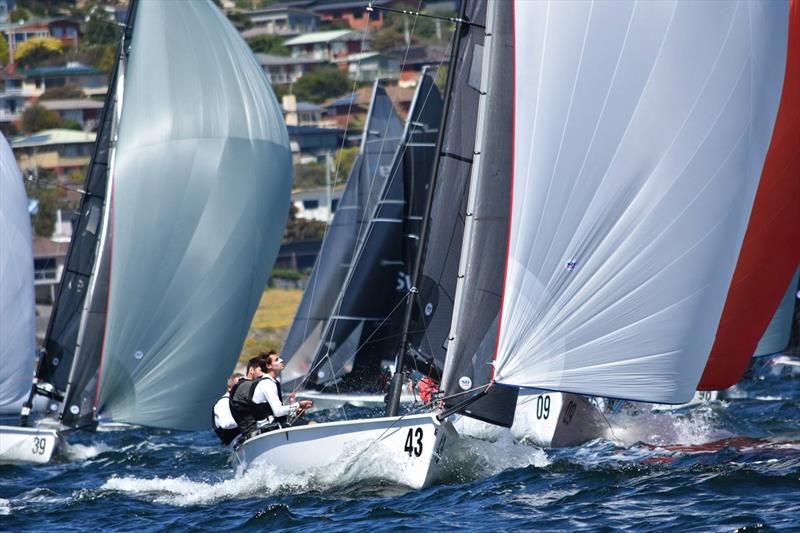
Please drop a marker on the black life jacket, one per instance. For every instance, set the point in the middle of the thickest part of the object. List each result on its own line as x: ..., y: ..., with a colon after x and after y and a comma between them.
x: 225, y: 435
x: 245, y: 411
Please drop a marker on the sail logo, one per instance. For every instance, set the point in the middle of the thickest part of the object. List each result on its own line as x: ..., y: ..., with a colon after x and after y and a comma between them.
x: 571, y: 264
x: 403, y: 282
x: 428, y: 309
x: 465, y: 382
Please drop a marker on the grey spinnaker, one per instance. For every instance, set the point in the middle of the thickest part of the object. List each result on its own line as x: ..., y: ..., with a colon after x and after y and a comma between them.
x: 382, y: 131
x: 433, y: 308
x: 365, y: 329
x: 200, y: 199
x: 18, y: 330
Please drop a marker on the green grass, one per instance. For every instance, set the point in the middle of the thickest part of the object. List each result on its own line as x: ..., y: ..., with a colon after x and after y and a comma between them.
x: 271, y: 322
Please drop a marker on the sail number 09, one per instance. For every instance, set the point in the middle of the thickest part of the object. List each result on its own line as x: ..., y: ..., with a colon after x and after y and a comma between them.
x: 413, y: 442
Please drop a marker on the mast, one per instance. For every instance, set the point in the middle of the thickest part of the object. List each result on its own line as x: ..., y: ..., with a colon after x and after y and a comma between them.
x: 395, y: 390
x: 81, y: 264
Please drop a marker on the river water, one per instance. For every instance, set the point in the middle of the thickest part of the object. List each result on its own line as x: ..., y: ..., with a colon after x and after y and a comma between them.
x: 729, y: 465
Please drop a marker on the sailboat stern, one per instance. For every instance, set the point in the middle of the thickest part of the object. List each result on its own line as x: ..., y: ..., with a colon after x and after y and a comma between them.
x: 27, y: 445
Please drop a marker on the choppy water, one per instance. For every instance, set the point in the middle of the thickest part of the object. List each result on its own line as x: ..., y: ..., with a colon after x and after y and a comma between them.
x: 727, y: 466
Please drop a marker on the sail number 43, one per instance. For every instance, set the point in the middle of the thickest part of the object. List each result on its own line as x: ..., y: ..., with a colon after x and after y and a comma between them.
x: 413, y: 442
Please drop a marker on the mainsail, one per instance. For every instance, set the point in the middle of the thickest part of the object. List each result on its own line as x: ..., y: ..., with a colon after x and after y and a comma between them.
x: 18, y: 330
x: 635, y: 137
x: 776, y: 337
x: 382, y: 131
x: 433, y: 308
x: 366, y: 324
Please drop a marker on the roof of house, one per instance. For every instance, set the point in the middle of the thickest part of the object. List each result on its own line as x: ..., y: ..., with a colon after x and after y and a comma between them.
x: 278, y: 8
x: 71, y: 103
x: 68, y: 70
x: 361, y: 56
x: 50, y: 137
x: 307, y: 106
x: 363, y: 96
x: 266, y: 60
x: 348, y: 4
x: 321, y: 37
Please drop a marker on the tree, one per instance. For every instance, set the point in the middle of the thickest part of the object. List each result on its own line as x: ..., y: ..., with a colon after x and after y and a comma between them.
x: 62, y: 93
x: 298, y: 229
x: 3, y: 50
x: 344, y: 160
x: 268, y: 44
x: 19, y: 14
x: 51, y: 198
x: 37, y: 117
x: 38, y: 50
x: 319, y: 85
x: 106, y: 63
x: 387, y: 39
x: 100, y: 29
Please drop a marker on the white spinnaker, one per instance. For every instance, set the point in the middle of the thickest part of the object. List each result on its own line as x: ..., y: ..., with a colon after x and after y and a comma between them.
x: 776, y: 337
x: 200, y: 200
x: 641, y: 131
x: 17, y: 316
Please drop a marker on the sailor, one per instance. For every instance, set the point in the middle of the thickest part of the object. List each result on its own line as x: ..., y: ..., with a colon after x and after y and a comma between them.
x: 262, y: 400
x: 222, y: 420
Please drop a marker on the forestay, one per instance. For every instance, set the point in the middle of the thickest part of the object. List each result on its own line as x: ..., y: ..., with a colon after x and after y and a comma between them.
x: 18, y: 331
x: 640, y: 132
x: 200, y: 197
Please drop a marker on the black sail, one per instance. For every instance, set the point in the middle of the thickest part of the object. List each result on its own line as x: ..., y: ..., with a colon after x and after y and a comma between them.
x: 433, y: 308
x: 382, y: 133
x: 57, y: 367
x: 365, y: 328
x: 474, y: 335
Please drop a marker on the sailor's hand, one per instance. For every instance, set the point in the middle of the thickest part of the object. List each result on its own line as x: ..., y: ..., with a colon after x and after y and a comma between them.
x: 306, y: 404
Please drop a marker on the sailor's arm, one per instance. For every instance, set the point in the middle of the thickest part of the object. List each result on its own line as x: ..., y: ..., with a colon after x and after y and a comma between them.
x: 278, y: 409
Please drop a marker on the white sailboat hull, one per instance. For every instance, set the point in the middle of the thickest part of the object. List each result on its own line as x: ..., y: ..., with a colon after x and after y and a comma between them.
x: 27, y: 445
x: 545, y: 419
x: 412, y: 446
x: 700, y: 397
x: 324, y: 401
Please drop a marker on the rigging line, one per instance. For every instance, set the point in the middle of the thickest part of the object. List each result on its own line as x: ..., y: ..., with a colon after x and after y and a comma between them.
x: 457, y: 20
x: 425, y: 330
x: 379, y: 437
x: 363, y: 234
x: 358, y: 349
x: 336, y: 172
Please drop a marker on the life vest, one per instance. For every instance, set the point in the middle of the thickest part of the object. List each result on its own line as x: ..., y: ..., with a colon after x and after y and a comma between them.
x: 245, y: 411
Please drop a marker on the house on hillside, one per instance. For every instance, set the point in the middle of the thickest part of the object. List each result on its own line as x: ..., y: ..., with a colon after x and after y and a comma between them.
x: 83, y: 111
x: 414, y: 58
x: 282, y: 20
x: 280, y: 69
x: 13, y: 99
x: 369, y: 66
x: 61, y: 151
x: 309, y: 143
x: 90, y: 79
x: 327, y: 45
x: 300, y: 113
x: 316, y: 204
x: 65, y: 29
x: 354, y: 12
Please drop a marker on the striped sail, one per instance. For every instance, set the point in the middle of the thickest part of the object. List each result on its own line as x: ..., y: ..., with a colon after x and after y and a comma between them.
x: 200, y: 197
x: 639, y: 131
x: 17, y: 320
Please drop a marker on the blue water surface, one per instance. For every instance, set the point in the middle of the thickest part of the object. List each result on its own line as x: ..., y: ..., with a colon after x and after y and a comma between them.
x: 730, y: 465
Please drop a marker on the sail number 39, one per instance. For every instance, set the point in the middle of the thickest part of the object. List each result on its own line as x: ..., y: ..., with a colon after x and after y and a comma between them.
x: 414, y: 442
x: 39, y: 445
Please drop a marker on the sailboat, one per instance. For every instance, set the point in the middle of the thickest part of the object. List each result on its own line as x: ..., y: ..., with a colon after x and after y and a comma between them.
x: 622, y: 144
x: 364, y: 259
x: 17, y: 314
x: 186, y: 201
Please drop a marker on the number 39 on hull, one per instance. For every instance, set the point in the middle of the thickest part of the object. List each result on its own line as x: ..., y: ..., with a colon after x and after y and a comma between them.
x: 414, y: 445
x: 27, y: 445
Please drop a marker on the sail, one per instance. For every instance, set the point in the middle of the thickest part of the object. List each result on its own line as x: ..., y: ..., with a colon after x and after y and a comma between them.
x: 433, y: 309
x: 771, y: 250
x: 370, y: 301
x: 17, y: 316
x: 639, y: 134
x: 776, y: 337
x: 201, y: 185
x: 74, y: 381
x: 382, y: 131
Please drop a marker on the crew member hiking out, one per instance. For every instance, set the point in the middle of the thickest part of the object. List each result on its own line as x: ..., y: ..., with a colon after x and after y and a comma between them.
x: 222, y: 420
x: 261, y: 399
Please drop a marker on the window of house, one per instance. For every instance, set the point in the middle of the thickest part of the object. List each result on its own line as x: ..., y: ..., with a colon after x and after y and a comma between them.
x: 310, y: 204
x: 334, y: 205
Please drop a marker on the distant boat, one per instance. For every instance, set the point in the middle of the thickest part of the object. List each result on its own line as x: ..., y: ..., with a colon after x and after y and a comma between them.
x: 17, y: 313
x: 186, y: 202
